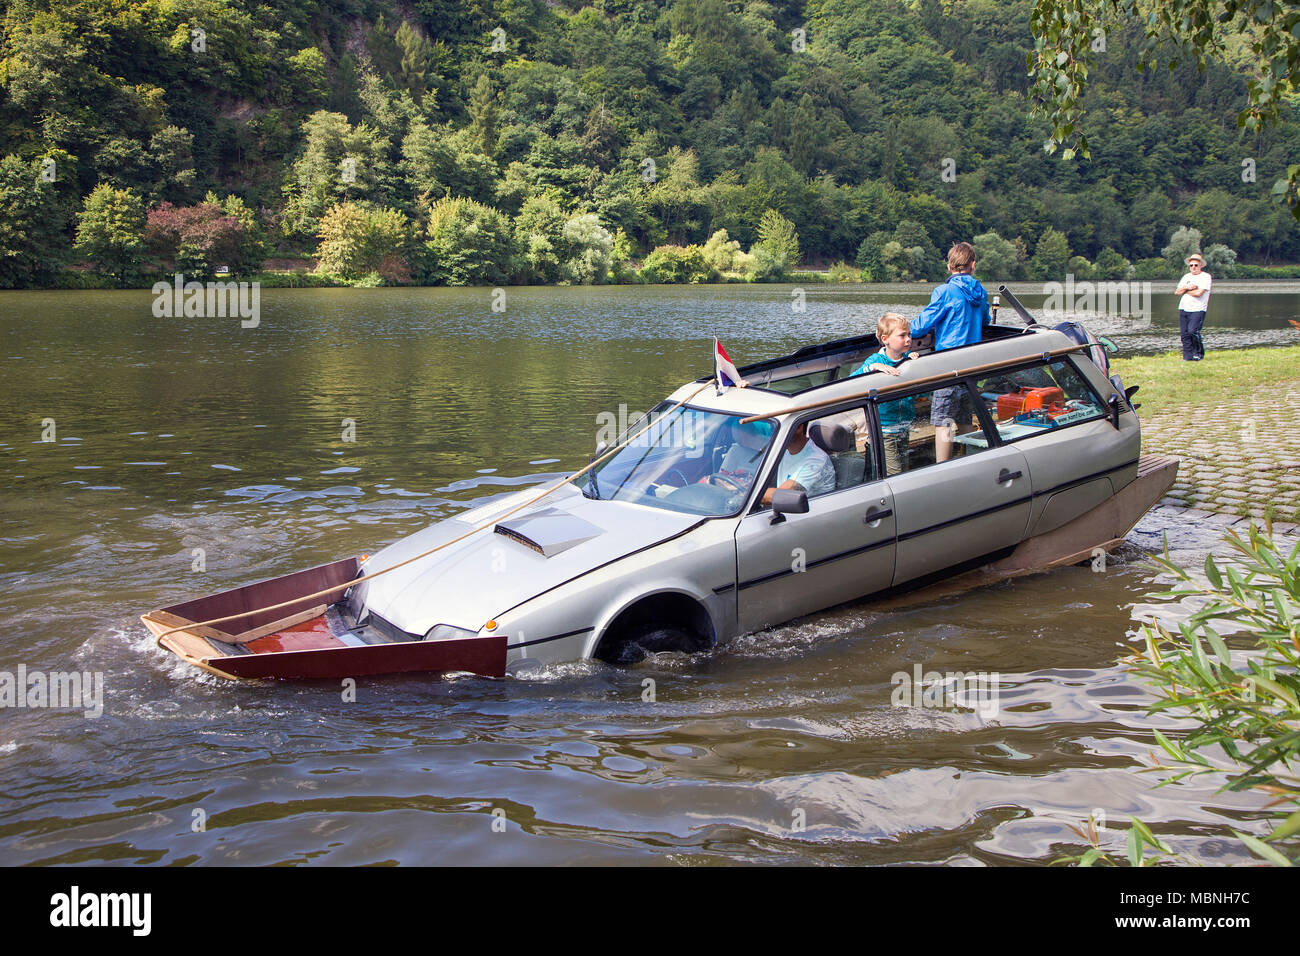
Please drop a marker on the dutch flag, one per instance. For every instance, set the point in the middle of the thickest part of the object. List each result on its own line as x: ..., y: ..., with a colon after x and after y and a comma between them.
x: 724, y: 371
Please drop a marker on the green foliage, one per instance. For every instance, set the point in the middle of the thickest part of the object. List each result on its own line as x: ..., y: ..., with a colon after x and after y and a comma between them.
x: 338, y: 162
x: 1244, y: 698
x: 1220, y: 260
x: 721, y: 251
x: 34, y: 215
x: 1111, y: 265
x: 843, y: 272
x: 1154, y: 268
x: 468, y: 244
x: 357, y: 240
x: 1182, y: 243
x: 996, y: 258
x: 677, y: 264
x: 251, y: 247
x: 778, y: 240
x: 590, y: 250
x: 1051, y: 257
x: 845, y: 140
x: 539, y: 236
x: 1067, y: 36
x: 110, y: 231
x: 1080, y: 268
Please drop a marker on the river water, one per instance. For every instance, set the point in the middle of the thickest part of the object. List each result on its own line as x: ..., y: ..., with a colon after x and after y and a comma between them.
x: 192, y: 455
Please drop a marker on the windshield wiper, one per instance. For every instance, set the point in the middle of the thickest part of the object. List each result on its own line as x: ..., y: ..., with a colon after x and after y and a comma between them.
x: 595, y: 489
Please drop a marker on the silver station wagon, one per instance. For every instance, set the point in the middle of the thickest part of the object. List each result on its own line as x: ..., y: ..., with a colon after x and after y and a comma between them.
x: 729, y: 511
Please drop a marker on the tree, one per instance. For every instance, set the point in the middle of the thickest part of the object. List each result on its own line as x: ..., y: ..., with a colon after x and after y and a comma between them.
x: 468, y: 244
x: 539, y: 237
x: 1220, y: 260
x: 1051, y: 256
x: 195, y: 239
x: 483, y: 115
x: 338, y: 162
x: 1182, y: 243
x: 590, y: 248
x: 721, y: 251
x: 357, y: 240
x: 1111, y: 265
x: 675, y: 264
x: 778, y: 239
x: 310, y: 82
x: 110, y: 231
x: 250, y: 250
x: 870, y: 258
x: 1066, y: 31
x: 996, y: 256
x: 34, y: 217
x: 415, y: 61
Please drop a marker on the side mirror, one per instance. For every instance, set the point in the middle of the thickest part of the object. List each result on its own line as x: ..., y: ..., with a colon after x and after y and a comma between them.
x: 788, y: 501
x: 1113, y: 403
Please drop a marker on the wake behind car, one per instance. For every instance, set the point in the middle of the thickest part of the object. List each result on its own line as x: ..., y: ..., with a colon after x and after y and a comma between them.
x: 681, y: 536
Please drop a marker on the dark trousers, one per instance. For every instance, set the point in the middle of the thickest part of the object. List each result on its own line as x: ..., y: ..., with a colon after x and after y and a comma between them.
x: 1189, y: 327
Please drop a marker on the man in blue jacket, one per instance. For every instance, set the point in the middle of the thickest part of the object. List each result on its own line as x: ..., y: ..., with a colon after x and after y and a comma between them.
x: 958, y: 312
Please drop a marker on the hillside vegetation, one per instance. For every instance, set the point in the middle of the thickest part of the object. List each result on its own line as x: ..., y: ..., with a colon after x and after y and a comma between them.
x: 494, y: 141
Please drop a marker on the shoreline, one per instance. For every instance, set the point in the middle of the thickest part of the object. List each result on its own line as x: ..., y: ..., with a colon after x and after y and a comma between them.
x: 1238, y: 449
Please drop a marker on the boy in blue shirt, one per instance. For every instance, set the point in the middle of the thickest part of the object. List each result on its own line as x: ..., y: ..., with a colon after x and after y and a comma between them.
x: 895, y: 417
x: 958, y: 312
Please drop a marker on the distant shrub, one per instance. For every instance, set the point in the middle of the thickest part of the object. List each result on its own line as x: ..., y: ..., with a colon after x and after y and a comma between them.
x: 1152, y: 269
x: 678, y: 264
x: 843, y: 272
x: 468, y: 244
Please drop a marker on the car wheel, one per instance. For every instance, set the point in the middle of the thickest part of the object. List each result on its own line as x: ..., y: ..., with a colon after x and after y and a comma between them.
x: 652, y: 641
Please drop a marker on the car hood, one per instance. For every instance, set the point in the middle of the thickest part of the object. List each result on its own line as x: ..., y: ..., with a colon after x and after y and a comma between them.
x: 470, y: 582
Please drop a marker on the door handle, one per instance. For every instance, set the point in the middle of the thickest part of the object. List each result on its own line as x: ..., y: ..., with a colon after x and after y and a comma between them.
x: 1005, y: 475
x: 874, y: 515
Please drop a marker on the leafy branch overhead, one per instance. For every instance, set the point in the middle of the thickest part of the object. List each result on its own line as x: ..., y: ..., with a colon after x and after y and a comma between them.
x: 1069, y: 35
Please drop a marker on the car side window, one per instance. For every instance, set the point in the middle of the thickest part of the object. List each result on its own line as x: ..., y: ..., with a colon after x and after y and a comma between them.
x: 1032, y: 401
x: 845, y: 438
x: 930, y: 427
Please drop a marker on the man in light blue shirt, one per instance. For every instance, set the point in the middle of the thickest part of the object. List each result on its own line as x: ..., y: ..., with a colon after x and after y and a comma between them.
x: 804, y: 467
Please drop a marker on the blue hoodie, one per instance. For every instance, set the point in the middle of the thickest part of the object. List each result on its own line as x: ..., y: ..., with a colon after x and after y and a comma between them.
x: 959, y: 309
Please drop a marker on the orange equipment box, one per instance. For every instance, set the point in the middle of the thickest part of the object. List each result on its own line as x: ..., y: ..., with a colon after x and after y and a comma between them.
x: 1027, y: 399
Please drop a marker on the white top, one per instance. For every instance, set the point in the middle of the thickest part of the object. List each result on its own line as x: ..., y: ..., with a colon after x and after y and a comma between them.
x: 811, y: 468
x: 1189, y: 302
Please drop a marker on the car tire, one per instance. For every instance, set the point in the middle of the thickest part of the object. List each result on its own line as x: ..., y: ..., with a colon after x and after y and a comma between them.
x: 634, y: 649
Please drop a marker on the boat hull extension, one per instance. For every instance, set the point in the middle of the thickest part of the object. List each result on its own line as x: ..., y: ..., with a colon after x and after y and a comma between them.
x: 309, y: 639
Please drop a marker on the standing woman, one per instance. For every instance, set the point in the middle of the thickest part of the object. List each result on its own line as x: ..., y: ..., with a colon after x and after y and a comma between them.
x: 1194, y: 288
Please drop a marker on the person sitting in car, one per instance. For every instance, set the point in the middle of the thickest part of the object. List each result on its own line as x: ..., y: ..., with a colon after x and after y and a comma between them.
x: 740, y: 464
x: 804, y: 467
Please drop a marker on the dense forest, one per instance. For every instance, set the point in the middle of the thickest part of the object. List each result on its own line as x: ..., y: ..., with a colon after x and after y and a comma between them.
x: 539, y: 141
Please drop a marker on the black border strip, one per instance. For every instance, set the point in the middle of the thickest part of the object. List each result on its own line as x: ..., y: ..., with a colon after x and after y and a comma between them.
x: 818, y: 563
x: 935, y: 527
x: 547, y: 640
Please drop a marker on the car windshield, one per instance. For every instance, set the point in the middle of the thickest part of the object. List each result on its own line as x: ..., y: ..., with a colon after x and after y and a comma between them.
x: 688, y: 460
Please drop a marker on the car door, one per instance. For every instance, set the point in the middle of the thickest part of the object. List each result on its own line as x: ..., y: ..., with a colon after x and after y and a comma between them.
x: 1062, y: 426
x: 842, y: 549
x: 973, y: 504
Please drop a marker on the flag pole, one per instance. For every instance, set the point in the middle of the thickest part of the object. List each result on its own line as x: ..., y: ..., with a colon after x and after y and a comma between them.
x: 717, y: 370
